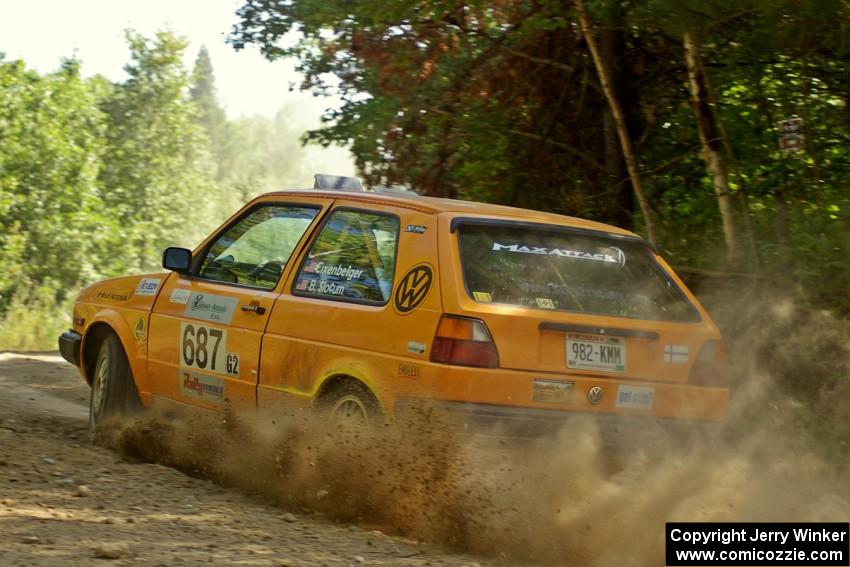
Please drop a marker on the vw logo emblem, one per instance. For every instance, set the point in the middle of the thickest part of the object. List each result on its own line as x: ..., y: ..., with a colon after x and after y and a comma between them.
x: 594, y: 395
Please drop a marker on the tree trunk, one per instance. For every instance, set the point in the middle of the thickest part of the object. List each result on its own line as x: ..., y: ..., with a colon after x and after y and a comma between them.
x: 611, y: 41
x: 617, y: 114
x: 743, y: 197
x: 711, y: 147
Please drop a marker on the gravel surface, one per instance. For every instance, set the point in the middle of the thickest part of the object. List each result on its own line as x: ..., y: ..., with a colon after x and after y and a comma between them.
x: 67, y: 501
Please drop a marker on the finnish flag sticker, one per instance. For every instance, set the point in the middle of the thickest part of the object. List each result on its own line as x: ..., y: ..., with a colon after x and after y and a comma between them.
x: 676, y: 353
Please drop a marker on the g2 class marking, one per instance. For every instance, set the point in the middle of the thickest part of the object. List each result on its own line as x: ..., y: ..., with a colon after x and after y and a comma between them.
x: 232, y: 364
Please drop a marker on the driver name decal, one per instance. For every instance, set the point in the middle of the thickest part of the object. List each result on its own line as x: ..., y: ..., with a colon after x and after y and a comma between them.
x: 209, y: 307
x: 347, y: 272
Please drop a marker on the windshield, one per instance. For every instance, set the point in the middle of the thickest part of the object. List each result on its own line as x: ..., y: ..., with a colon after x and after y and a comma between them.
x: 568, y: 272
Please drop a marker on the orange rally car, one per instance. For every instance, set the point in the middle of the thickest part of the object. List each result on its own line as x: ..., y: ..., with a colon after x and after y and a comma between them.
x: 367, y: 302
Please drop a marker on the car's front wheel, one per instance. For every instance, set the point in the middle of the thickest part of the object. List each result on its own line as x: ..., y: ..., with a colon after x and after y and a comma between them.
x: 113, y: 390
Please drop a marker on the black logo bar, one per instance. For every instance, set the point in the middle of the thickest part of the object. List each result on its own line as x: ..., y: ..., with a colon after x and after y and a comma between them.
x: 413, y: 288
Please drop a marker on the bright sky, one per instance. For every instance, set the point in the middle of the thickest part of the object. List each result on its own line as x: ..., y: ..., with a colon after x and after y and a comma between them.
x: 42, y: 32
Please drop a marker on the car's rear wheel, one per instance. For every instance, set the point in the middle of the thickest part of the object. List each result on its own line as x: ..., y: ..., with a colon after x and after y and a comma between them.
x: 113, y: 390
x: 349, y: 402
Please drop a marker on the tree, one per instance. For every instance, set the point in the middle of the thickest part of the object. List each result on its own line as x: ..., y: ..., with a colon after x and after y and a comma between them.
x: 712, y: 143
x: 496, y: 103
x: 50, y: 149
x: 619, y: 120
x: 211, y: 115
x: 157, y: 176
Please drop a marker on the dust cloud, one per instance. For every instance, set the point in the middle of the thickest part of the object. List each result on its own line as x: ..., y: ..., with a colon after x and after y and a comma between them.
x: 569, y: 498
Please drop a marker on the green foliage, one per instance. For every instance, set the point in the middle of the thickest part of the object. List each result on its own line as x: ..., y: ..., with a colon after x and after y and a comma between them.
x: 156, y: 171
x: 211, y: 115
x: 97, y: 177
x: 34, y: 318
x: 501, y: 102
x: 51, y: 139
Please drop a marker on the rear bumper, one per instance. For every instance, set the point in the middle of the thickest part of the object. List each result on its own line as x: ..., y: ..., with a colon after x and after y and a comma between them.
x: 613, y: 430
x: 490, y: 390
x: 69, y: 346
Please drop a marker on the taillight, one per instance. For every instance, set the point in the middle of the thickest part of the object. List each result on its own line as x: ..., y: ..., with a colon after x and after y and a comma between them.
x: 711, y: 367
x: 465, y: 342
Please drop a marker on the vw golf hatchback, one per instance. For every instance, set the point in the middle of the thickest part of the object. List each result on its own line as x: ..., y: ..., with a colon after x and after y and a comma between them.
x: 367, y: 303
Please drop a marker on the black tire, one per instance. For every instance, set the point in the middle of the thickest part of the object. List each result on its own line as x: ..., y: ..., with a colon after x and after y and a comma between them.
x: 351, y: 402
x: 113, y: 390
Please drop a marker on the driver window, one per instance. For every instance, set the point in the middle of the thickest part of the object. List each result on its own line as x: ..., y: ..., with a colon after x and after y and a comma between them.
x: 254, y: 251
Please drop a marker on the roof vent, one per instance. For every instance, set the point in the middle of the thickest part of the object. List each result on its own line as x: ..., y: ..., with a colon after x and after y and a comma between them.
x: 337, y: 183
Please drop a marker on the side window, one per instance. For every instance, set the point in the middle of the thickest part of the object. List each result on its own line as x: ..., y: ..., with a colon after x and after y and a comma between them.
x: 352, y: 259
x: 254, y: 251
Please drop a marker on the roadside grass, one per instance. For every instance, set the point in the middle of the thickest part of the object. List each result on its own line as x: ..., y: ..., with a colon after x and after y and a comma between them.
x: 34, y: 320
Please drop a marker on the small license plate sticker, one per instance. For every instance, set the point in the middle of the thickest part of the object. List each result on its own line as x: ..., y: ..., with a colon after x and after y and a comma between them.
x: 596, y: 352
x: 635, y: 397
x: 552, y: 391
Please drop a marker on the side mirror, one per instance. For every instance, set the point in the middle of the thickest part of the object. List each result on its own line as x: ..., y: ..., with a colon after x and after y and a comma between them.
x: 177, y: 260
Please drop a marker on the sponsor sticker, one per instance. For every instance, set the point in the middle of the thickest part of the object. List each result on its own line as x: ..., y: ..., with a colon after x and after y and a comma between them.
x: 139, y: 329
x: 676, y: 353
x: 202, y: 387
x: 482, y: 296
x: 407, y: 370
x: 108, y: 296
x: 552, y: 391
x: 209, y: 307
x: 413, y: 288
x: 617, y: 256
x: 416, y: 229
x: 148, y: 286
x: 416, y: 347
x: 635, y: 397
x: 180, y: 296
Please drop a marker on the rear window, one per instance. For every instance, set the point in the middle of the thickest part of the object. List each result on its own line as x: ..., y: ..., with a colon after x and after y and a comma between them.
x: 569, y: 272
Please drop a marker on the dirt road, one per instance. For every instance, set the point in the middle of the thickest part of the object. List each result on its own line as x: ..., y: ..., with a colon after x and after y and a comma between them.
x: 290, y: 491
x: 66, y: 501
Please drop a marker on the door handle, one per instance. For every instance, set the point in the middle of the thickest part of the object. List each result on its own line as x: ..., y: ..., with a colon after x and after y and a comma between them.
x: 255, y: 307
